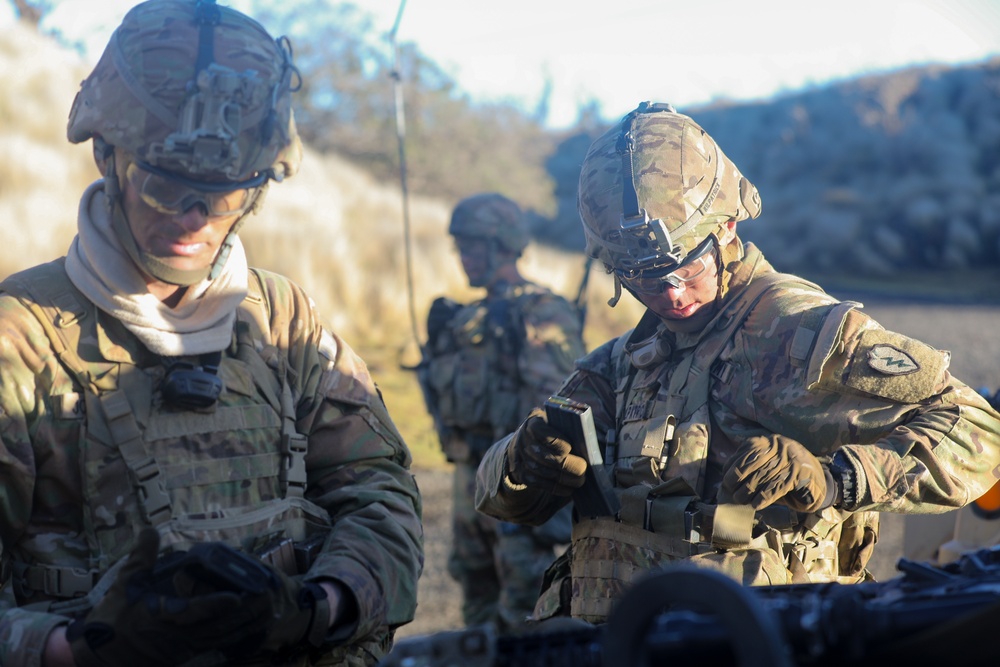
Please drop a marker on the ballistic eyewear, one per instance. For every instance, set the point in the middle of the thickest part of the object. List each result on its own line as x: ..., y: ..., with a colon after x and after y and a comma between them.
x: 173, y: 194
x: 653, y: 281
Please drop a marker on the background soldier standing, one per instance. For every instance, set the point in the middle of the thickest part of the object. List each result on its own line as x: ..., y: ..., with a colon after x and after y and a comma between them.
x: 487, y: 363
x: 754, y: 424
x: 192, y: 468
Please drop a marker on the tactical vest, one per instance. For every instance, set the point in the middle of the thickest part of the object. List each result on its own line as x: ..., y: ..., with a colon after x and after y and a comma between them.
x: 659, y: 452
x: 473, y: 372
x: 233, y: 473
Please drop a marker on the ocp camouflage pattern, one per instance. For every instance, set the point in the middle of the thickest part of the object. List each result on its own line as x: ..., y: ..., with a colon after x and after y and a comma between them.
x: 491, y: 362
x: 806, y: 366
x: 67, y: 502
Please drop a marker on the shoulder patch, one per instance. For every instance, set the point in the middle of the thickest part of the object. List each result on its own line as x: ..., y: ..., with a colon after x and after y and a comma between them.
x: 896, y: 367
x: 891, y: 360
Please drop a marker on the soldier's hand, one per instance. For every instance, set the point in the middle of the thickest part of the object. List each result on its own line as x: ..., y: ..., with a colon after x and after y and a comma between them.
x: 284, y: 612
x: 538, y: 456
x: 139, y: 623
x: 300, y: 616
x: 775, y: 469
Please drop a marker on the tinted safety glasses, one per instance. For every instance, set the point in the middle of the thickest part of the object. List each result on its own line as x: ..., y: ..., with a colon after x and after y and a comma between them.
x: 172, y: 194
x: 655, y: 281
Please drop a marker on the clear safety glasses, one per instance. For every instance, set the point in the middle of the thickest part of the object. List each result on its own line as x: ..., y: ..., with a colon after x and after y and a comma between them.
x: 651, y: 281
x: 172, y: 194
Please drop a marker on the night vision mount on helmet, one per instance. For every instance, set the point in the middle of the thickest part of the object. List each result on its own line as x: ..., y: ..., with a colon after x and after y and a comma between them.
x: 195, y: 89
x: 197, y: 96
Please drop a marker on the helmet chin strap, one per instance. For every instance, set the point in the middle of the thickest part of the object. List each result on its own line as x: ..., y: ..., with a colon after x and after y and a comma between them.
x: 613, y: 301
x: 150, y: 264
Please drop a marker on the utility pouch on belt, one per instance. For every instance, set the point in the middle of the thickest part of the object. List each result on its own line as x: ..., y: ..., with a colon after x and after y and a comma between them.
x: 575, y: 420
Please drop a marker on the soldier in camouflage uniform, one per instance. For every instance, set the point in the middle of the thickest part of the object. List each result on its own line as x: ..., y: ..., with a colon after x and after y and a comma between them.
x: 193, y: 469
x: 752, y: 424
x: 487, y: 363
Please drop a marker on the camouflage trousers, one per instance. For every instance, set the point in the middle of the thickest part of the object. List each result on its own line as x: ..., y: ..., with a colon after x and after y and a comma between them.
x: 498, y: 565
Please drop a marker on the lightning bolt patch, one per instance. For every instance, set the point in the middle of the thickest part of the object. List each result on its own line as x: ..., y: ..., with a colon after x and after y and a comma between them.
x: 891, y: 361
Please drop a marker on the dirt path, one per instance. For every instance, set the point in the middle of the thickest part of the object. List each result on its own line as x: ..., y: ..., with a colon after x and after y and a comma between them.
x: 438, y: 596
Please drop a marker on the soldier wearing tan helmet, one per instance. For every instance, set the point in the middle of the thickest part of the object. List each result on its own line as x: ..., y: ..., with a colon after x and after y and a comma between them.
x: 193, y: 469
x: 751, y: 423
x: 485, y: 364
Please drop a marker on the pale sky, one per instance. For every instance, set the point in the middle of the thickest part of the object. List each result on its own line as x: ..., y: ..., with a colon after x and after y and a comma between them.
x: 621, y: 52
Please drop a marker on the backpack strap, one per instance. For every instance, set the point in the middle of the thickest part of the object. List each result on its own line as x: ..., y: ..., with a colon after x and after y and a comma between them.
x: 59, y: 307
x: 253, y: 325
x: 50, y: 296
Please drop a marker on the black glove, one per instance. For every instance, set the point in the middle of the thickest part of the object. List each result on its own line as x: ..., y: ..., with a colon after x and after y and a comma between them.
x: 775, y: 469
x: 539, y: 457
x: 300, y: 614
x: 142, y: 621
x: 285, y: 610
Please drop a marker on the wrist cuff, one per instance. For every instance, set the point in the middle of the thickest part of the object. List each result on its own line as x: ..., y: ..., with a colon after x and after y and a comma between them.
x: 319, y: 626
x: 834, y: 491
x: 846, y: 479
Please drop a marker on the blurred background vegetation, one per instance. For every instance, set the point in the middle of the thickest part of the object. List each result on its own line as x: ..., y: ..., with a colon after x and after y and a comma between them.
x: 888, y: 182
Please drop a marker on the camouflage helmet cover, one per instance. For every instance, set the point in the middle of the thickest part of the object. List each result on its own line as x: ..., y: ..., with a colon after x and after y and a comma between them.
x: 491, y: 216
x: 195, y: 89
x: 684, y: 190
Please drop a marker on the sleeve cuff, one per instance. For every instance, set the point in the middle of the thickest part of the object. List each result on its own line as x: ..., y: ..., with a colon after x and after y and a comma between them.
x: 846, y: 479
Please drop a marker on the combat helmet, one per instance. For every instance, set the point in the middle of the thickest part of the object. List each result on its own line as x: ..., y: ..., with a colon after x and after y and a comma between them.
x: 490, y: 216
x: 196, y: 93
x: 655, y: 189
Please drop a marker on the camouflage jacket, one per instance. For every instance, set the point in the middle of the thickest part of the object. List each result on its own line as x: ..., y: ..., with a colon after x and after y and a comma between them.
x: 800, y: 364
x: 69, y: 507
x: 494, y: 359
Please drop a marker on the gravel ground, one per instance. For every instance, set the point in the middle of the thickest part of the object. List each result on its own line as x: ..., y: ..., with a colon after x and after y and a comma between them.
x: 970, y: 332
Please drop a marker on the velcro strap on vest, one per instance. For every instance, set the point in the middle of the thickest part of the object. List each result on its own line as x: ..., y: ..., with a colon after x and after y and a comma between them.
x: 154, y: 504
x: 669, y: 516
x: 732, y: 525
x: 634, y: 508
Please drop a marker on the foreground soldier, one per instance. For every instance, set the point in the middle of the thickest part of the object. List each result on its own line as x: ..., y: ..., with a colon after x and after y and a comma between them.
x: 488, y: 362
x: 166, y: 412
x: 754, y: 425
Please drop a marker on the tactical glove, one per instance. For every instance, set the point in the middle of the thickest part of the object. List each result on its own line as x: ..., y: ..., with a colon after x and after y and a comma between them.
x: 539, y: 457
x: 775, y: 469
x: 300, y: 614
x: 285, y: 610
x: 142, y: 621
